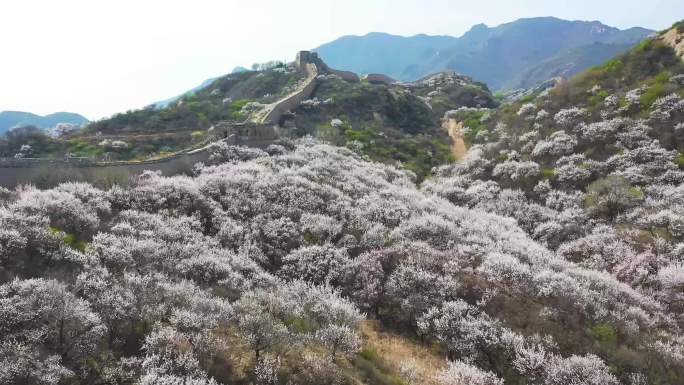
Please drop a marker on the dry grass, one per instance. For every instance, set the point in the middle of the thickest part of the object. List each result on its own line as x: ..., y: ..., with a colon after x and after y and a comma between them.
x: 675, y: 39
x: 394, y: 350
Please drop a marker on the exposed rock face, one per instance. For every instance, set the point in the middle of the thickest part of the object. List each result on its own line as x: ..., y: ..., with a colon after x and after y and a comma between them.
x: 335, y: 123
x: 514, y: 95
x: 674, y: 39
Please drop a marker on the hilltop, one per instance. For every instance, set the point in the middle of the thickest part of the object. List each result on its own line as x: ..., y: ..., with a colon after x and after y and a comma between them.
x: 378, y: 116
x: 514, y: 55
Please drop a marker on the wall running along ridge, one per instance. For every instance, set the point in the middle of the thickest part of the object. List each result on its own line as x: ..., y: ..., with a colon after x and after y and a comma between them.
x: 260, y: 132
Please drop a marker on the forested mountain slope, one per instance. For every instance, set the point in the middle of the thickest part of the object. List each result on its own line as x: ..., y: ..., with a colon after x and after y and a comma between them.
x: 513, y: 55
x: 592, y: 169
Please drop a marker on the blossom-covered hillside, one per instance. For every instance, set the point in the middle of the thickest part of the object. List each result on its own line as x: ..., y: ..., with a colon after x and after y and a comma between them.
x: 592, y: 170
x: 262, y: 267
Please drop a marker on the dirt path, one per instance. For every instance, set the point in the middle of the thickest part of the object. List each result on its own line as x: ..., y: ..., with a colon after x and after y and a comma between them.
x: 458, y: 147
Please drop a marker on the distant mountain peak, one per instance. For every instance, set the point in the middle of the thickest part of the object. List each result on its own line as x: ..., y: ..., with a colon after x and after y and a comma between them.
x: 12, y: 119
x: 599, y: 28
x: 479, y: 27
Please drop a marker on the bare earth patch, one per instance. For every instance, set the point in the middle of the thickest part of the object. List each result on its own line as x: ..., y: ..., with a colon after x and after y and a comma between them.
x: 396, y: 351
x: 458, y: 147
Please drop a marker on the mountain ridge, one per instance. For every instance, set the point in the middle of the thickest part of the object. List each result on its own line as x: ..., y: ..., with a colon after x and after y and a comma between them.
x: 477, y: 53
x: 423, y: 47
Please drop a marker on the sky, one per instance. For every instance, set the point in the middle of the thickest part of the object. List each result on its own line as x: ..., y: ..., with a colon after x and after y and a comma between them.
x: 97, y: 57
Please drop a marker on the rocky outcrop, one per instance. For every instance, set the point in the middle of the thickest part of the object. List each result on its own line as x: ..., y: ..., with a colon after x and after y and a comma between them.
x: 379, y: 79
x: 345, y: 75
x: 444, y: 78
x: 514, y: 95
x: 675, y: 39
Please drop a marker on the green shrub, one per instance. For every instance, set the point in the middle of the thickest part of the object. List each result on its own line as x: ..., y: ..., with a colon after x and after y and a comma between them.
x: 652, y: 94
x: 369, y: 353
x: 679, y: 159
x: 609, y: 196
x: 679, y: 25
x: 373, y: 370
x: 70, y: 240
x: 644, y: 45
x: 599, y: 97
x: 499, y: 96
x: 603, y: 333
x: 527, y: 99
x: 614, y: 65
x: 236, y: 108
x: 547, y: 172
x: 364, y: 135
x: 310, y: 238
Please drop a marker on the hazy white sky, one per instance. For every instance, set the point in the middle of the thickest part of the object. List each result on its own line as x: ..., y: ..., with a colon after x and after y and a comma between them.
x: 99, y: 57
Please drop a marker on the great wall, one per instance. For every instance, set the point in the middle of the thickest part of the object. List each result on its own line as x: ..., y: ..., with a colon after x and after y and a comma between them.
x: 260, y: 130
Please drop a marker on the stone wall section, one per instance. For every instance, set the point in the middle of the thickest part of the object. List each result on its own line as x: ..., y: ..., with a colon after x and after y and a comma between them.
x: 262, y: 131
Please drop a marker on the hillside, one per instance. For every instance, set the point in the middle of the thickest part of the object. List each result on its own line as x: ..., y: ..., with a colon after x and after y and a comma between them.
x: 593, y: 170
x: 165, y: 103
x: 493, y: 55
x: 400, y: 122
x: 153, y: 132
x: 262, y: 266
x: 10, y: 119
x: 222, y: 99
x: 390, y: 122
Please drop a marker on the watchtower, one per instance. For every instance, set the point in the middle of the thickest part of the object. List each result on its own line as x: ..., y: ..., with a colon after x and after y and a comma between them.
x: 307, y: 57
